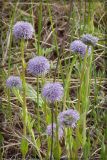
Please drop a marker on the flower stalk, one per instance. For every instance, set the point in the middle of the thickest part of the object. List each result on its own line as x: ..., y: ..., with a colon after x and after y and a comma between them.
x: 24, y: 107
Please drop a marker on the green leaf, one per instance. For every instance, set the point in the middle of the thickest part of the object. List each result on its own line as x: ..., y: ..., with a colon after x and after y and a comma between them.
x: 24, y: 147
x: 38, y: 144
x: 44, y: 51
x: 67, y: 81
x: 103, y: 152
x: 86, y: 150
x: 30, y: 93
x: 57, y: 151
x: 16, y: 92
x: 30, y: 122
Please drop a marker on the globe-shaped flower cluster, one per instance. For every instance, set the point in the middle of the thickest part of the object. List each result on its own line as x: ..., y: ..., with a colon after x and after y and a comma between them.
x: 23, y: 30
x: 14, y: 82
x: 53, y: 92
x: 89, y: 39
x: 38, y: 66
x: 68, y: 118
x: 78, y: 46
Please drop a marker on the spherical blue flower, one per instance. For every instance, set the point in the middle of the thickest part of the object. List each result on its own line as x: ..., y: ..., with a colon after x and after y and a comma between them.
x: 89, y: 39
x: 49, y: 131
x: 68, y: 118
x: 38, y: 66
x: 78, y: 46
x: 53, y: 92
x: 14, y: 82
x: 23, y: 30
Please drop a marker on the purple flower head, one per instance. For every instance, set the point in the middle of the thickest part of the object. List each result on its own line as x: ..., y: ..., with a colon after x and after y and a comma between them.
x: 14, y: 82
x: 23, y: 30
x: 89, y: 39
x: 49, y: 131
x: 38, y: 66
x: 53, y: 92
x: 68, y: 118
x: 78, y: 46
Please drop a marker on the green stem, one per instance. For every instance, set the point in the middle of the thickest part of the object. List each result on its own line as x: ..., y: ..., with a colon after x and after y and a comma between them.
x: 39, y: 26
x: 24, y: 108
x: 51, y: 151
x: 82, y: 83
x: 38, y: 115
x: 84, y: 128
x: 67, y: 84
x: 69, y: 133
x: 34, y: 141
x: 9, y: 60
x: 85, y: 85
x: 68, y: 142
x: 57, y: 137
x: 9, y: 107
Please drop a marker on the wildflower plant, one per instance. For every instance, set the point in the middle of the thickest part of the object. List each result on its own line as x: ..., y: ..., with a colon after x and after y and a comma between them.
x: 68, y: 121
x: 53, y: 92
x: 23, y: 31
x: 12, y: 82
x: 38, y: 66
x: 85, y: 74
x: 65, y: 131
